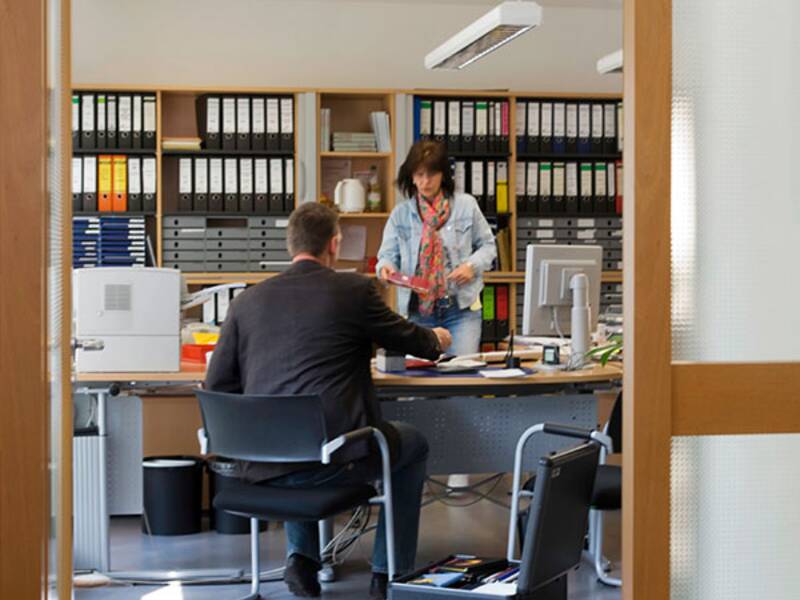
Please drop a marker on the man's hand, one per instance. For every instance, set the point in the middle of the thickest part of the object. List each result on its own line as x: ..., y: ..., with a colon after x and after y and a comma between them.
x: 445, y: 339
x: 462, y: 274
x: 386, y: 271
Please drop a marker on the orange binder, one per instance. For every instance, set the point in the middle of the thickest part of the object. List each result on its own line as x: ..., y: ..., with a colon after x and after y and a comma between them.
x: 119, y: 183
x: 104, y: 183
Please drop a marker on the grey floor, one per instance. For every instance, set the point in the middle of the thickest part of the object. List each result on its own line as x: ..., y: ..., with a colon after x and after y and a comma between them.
x: 477, y: 529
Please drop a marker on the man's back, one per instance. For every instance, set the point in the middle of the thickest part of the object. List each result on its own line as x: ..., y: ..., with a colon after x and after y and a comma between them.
x: 311, y: 330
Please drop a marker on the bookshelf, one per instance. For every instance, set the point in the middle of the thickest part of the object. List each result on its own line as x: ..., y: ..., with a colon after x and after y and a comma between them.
x: 176, y: 116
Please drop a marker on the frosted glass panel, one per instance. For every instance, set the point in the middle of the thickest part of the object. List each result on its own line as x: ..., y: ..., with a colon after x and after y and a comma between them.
x: 734, y: 517
x: 736, y: 180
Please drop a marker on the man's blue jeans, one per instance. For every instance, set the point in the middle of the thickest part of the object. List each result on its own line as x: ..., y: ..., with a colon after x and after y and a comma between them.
x: 408, y: 477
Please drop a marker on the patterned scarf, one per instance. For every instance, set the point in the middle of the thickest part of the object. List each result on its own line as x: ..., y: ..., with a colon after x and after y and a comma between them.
x: 431, y: 253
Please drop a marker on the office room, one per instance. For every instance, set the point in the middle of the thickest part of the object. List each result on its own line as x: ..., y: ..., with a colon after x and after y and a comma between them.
x: 325, y: 298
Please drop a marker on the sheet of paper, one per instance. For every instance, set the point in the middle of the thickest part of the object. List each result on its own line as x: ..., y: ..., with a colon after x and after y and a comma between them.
x: 503, y: 373
x: 497, y: 589
x: 354, y: 242
x: 333, y: 171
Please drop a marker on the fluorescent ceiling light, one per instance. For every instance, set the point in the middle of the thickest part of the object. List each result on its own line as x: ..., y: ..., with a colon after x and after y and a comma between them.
x: 497, y: 27
x: 610, y: 63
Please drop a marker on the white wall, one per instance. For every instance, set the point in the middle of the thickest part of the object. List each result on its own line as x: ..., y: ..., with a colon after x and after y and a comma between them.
x: 331, y: 43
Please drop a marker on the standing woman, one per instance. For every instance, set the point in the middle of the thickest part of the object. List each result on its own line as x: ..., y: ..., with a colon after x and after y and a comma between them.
x: 443, y: 237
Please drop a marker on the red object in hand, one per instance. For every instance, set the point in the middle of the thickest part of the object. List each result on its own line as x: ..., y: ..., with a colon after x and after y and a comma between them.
x: 418, y: 284
x: 372, y: 262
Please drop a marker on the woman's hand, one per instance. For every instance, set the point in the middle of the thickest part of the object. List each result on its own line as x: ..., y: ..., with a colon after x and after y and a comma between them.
x: 462, y: 274
x: 386, y: 271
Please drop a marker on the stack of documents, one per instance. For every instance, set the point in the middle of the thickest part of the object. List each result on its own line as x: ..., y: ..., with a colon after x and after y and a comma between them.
x: 122, y: 241
x: 182, y: 143
x: 344, y: 141
x: 325, y: 129
x: 380, y: 127
x: 85, y: 242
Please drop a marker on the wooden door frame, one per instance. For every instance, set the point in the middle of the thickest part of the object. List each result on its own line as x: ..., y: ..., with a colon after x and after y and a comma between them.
x: 647, y: 410
x: 23, y: 295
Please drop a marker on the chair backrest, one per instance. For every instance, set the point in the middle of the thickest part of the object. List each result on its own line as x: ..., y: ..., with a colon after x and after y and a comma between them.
x: 614, y: 425
x: 558, y: 515
x: 263, y: 428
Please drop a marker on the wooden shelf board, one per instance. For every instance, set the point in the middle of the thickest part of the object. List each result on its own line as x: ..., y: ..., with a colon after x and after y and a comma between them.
x: 249, y: 278
x: 364, y: 215
x: 333, y: 154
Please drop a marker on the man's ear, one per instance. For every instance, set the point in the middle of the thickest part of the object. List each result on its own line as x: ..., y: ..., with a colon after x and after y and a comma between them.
x: 333, y: 246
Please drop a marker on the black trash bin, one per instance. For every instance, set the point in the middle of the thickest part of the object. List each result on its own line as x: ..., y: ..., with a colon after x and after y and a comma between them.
x: 222, y: 473
x: 173, y: 494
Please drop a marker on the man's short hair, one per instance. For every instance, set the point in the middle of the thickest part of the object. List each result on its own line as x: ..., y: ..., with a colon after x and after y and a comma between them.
x: 311, y: 227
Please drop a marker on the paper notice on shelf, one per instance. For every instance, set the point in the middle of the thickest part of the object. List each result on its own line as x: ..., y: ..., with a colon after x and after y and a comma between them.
x: 333, y: 171
x: 354, y: 242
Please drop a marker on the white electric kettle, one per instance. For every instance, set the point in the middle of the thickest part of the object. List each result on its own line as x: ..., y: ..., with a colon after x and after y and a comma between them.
x: 350, y: 196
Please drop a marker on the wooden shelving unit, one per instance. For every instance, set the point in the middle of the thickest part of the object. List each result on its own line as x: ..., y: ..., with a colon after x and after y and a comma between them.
x: 350, y: 108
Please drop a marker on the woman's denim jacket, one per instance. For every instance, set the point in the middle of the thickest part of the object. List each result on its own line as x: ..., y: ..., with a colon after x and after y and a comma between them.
x: 467, y: 237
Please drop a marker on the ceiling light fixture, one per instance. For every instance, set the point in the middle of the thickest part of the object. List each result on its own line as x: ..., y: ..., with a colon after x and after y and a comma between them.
x: 497, y: 27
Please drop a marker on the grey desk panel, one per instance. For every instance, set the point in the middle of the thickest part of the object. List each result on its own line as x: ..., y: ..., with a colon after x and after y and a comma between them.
x: 181, y: 244
x: 184, y: 221
x: 267, y: 244
x: 479, y: 434
x: 269, y: 234
x: 235, y: 233
x: 185, y: 233
x: 226, y: 255
x: 188, y: 267
x: 184, y: 255
x: 225, y: 244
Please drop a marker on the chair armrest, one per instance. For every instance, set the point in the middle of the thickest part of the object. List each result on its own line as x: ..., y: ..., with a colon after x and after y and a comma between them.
x: 567, y: 431
x: 346, y: 439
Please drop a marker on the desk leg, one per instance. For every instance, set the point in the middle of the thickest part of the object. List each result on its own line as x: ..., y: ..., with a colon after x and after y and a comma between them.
x: 327, y: 573
x: 102, y: 431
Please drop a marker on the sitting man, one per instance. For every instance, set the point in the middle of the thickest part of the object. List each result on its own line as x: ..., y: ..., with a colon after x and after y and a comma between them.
x: 310, y: 330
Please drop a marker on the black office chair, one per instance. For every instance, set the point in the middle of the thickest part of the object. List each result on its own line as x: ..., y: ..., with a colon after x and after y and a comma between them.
x: 607, y: 494
x: 286, y: 429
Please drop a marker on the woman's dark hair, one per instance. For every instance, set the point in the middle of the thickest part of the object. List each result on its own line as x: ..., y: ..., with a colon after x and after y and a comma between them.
x: 431, y: 155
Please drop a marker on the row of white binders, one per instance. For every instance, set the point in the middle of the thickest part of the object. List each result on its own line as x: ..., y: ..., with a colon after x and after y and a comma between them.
x: 473, y: 126
x: 553, y: 188
x: 246, y: 123
x: 113, y: 183
x: 243, y: 185
x: 568, y: 127
x: 113, y: 121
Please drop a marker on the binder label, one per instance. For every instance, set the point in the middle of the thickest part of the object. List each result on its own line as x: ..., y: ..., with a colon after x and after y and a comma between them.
x: 490, y: 179
x: 533, y: 179
x: 101, y: 113
x: 76, y: 114
x: 533, y: 119
x: 137, y: 113
x: 439, y: 117
x: 597, y: 121
x: 287, y: 115
x: 215, y: 175
x: 261, y: 176
x: 460, y: 177
x: 125, y: 113
x: 599, y: 180
x: 586, y: 179
x: 454, y: 118
x: 149, y: 175
x: 609, y: 121
x: 258, y: 116
x: 611, y: 172
x: 185, y: 176
x: 150, y: 114
x: 212, y: 115
x: 481, y: 119
x: 77, y: 175
x: 519, y: 183
x: 468, y: 120
x: 558, y: 180
x: 87, y: 112
x: 201, y: 175
x: 545, y: 185
x: 231, y: 176
x: 425, y: 117
x: 584, y: 121
x: 572, y: 180
x: 276, y: 175
x: 229, y: 115
x: 547, y: 119
x: 243, y: 115
x: 477, y: 178
x: 134, y: 175
x: 558, y: 120
x: 273, y: 122
x: 246, y: 175
x: 111, y: 114
x: 572, y: 120
x: 519, y: 125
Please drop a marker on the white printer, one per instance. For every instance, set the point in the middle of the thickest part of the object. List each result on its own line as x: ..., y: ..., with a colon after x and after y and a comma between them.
x: 133, y: 312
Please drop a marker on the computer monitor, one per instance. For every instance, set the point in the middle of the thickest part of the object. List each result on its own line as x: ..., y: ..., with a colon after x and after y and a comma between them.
x: 548, y: 272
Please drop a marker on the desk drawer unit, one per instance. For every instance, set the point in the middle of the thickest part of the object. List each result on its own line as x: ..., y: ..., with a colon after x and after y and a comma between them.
x: 605, y: 232
x: 225, y: 244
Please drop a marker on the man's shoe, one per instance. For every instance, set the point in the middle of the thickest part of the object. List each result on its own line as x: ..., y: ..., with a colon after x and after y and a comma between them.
x: 378, y: 585
x: 301, y: 576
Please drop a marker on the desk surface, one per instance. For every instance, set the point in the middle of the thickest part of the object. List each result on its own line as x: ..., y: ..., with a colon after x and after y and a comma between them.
x: 192, y: 373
